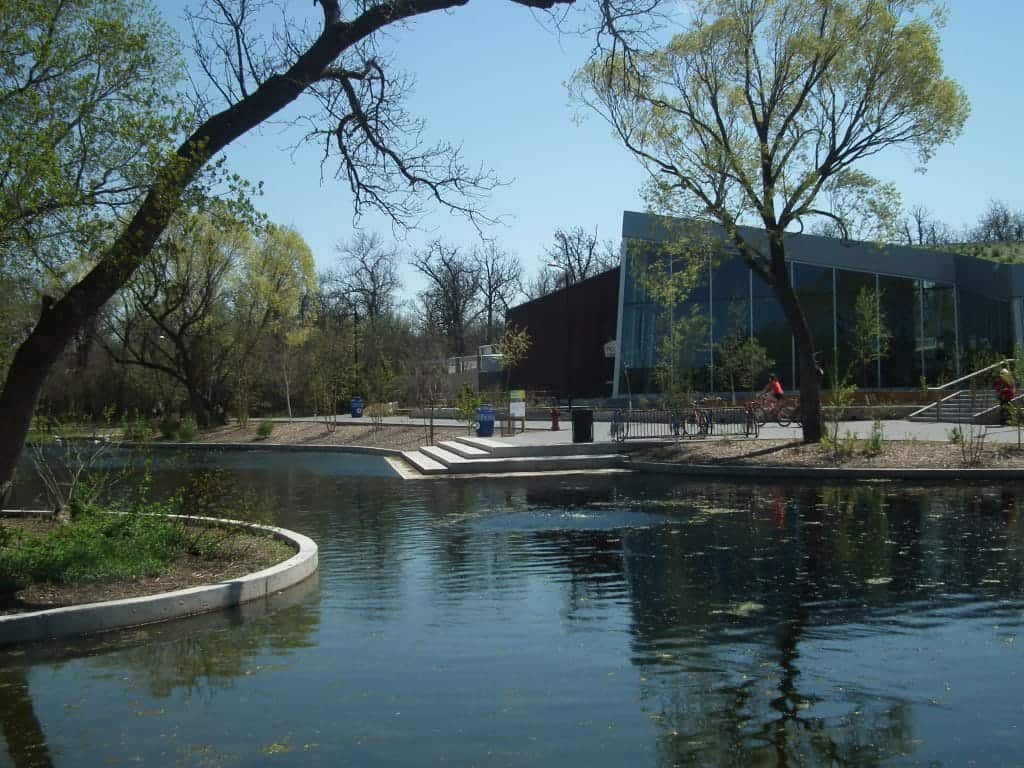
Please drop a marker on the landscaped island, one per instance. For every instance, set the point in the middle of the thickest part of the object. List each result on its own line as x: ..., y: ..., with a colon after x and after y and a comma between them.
x: 97, y: 556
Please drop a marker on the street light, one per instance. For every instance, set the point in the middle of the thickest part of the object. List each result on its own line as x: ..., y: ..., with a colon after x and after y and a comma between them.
x: 568, y: 331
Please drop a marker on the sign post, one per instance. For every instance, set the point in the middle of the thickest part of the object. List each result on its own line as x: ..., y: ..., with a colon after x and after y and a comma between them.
x: 517, y: 408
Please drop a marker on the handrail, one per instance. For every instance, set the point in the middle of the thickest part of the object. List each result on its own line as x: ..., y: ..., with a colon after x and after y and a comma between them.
x: 936, y: 405
x: 971, y: 375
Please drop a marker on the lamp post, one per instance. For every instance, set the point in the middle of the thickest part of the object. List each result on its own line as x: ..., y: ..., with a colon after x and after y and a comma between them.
x: 568, y: 332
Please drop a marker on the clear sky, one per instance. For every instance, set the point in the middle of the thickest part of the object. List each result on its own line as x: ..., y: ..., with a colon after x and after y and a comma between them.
x: 492, y: 77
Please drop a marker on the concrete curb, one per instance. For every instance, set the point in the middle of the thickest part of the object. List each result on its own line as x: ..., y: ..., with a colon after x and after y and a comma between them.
x: 825, y: 473
x: 93, y: 618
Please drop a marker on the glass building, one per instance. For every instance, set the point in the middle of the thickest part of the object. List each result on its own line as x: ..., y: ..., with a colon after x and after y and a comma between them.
x: 948, y: 314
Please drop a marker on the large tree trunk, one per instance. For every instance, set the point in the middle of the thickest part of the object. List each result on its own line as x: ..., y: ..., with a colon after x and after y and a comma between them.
x: 810, y: 374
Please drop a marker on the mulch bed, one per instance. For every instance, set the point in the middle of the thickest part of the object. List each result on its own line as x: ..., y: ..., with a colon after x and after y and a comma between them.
x: 912, y: 454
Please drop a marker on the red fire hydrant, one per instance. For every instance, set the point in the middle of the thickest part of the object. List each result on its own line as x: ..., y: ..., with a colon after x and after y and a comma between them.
x: 554, y: 419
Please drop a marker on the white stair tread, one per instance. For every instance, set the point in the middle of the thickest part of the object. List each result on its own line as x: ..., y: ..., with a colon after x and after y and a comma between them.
x: 424, y: 463
x: 556, y: 459
x: 485, y: 443
x: 463, y: 449
x: 441, y: 455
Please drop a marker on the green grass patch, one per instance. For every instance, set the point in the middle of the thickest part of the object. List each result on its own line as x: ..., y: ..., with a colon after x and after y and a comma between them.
x: 92, y: 547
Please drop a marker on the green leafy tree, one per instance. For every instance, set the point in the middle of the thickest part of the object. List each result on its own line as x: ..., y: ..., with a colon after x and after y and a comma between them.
x: 277, y: 284
x: 513, y: 346
x: 761, y: 108
x: 668, y: 278
x: 211, y: 296
x: 872, y: 339
x: 742, y: 361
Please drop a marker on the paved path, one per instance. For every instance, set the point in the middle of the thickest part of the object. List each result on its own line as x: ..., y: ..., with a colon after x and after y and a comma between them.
x: 539, y: 433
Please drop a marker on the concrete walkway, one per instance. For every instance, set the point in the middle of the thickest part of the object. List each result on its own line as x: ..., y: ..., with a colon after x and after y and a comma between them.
x: 539, y: 432
x: 539, y: 449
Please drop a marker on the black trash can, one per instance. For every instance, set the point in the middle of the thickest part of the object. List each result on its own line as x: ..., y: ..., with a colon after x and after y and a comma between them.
x: 582, y: 425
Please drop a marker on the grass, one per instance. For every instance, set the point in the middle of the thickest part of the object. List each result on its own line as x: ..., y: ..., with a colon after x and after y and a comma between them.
x: 132, y: 538
x: 92, y: 547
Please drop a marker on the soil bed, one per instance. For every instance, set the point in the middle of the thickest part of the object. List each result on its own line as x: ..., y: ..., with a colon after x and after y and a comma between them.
x: 242, y: 553
x: 909, y: 454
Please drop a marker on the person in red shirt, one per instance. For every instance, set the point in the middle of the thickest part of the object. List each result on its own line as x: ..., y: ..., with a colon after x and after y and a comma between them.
x: 1006, y: 389
x: 774, y: 388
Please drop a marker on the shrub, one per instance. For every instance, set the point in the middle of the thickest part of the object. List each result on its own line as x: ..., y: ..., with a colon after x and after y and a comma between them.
x: 187, y: 430
x: 875, y: 440
x: 169, y: 428
x: 136, y: 430
x: 839, y: 447
x: 265, y: 428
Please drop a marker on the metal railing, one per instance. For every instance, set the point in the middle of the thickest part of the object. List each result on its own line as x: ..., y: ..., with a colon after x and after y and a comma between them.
x: 971, y: 375
x: 659, y: 423
x: 935, y: 409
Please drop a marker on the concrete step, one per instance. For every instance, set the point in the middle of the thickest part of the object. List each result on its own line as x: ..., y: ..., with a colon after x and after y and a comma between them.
x: 439, y: 454
x: 424, y: 463
x: 513, y: 464
x: 463, y: 449
x: 500, y: 449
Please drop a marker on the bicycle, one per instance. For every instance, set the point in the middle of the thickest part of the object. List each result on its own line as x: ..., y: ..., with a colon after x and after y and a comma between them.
x: 699, y: 422
x: 762, y: 408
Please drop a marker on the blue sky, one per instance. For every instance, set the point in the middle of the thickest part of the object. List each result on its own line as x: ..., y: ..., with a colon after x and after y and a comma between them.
x: 491, y: 77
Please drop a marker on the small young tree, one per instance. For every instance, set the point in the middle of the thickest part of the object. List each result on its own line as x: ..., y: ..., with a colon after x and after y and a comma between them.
x: 742, y: 361
x: 668, y: 280
x: 514, y: 346
x: 872, y: 339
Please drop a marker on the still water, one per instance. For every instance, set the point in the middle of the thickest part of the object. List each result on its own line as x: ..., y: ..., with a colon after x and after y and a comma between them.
x: 569, y: 621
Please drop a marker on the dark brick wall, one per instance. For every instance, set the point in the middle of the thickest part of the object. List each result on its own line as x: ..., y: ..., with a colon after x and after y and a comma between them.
x: 581, y: 323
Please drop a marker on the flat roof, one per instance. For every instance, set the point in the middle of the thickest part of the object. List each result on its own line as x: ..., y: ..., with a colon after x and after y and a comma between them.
x: 990, y: 278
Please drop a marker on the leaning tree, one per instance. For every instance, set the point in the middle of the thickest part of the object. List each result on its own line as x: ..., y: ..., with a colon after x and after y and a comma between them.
x: 761, y: 109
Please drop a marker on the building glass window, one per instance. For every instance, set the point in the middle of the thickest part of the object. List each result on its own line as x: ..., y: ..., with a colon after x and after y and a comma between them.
x: 937, y: 342
x: 899, y: 305
x: 987, y: 330
x: 813, y: 287
x: 772, y: 330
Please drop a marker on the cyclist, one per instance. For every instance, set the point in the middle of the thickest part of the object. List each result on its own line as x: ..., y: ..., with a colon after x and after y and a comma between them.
x: 774, y: 388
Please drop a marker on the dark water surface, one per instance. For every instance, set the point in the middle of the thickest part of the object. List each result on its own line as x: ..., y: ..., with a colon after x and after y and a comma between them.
x: 609, y: 621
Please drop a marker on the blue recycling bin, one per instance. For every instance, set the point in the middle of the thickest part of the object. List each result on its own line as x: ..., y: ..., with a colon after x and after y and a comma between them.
x: 484, y: 421
x: 356, y: 407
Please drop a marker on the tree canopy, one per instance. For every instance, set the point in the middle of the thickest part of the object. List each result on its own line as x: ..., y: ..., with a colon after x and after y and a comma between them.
x: 759, y: 109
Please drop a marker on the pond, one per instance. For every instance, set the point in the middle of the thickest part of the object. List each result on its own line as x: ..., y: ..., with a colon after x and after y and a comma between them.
x: 597, y: 621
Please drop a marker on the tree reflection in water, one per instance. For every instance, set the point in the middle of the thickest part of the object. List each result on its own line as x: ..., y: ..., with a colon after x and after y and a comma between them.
x: 195, y: 656
x: 726, y: 685
x: 26, y: 741
x: 748, y: 613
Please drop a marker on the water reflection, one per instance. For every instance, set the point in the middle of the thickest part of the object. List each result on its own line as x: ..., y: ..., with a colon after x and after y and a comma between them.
x: 614, y: 619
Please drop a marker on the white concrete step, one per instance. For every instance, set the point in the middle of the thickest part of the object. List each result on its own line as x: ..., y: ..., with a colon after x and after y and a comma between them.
x: 439, y: 454
x: 424, y: 463
x: 513, y: 464
x: 463, y: 449
x: 522, y: 447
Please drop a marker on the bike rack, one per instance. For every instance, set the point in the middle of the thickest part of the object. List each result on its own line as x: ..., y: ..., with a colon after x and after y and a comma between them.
x: 653, y: 424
